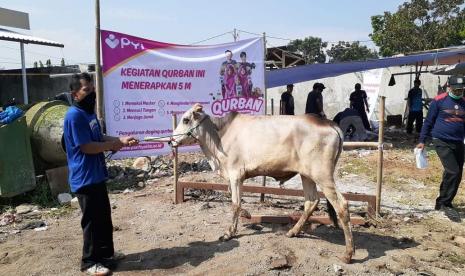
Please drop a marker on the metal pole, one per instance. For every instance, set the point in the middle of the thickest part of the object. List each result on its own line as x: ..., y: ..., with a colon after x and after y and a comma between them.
x: 235, y: 34
x: 264, y: 70
x: 379, y: 178
x: 175, y: 165
x: 98, y: 67
x: 262, y: 196
x: 23, y: 74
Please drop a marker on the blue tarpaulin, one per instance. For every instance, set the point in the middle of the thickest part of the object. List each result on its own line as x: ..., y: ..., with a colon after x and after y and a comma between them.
x: 281, y: 77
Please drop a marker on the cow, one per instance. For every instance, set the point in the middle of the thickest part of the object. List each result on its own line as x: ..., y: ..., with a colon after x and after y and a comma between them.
x: 240, y: 146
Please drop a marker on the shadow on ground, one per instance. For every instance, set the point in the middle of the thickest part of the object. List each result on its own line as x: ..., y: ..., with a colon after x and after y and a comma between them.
x: 376, y: 245
x: 194, y: 254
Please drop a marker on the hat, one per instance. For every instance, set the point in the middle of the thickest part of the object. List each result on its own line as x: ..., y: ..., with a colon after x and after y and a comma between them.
x: 456, y: 82
x: 318, y: 85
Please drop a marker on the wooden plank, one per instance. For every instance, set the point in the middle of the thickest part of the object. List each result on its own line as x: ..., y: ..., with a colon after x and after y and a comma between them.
x: 350, y: 145
x: 371, y: 209
x: 268, y: 190
x: 278, y: 57
x: 283, y: 219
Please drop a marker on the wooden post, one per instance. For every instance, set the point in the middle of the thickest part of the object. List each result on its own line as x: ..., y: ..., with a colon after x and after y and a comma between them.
x: 272, y: 106
x: 98, y: 67
x: 379, y: 178
x: 175, y: 167
x: 283, y: 56
x: 262, y: 196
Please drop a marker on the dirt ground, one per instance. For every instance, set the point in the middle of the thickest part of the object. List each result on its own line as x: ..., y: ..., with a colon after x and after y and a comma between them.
x: 161, y: 238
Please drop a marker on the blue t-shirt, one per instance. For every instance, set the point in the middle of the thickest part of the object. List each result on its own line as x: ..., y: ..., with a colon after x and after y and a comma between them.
x: 415, y: 95
x: 445, y: 119
x: 81, y: 128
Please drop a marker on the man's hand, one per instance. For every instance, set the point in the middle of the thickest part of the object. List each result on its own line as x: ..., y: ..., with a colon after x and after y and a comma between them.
x: 421, y: 146
x: 128, y: 141
x: 116, y: 145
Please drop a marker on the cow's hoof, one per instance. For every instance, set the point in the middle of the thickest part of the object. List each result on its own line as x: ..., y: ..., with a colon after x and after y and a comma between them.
x: 245, y: 214
x: 225, y: 237
x: 347, y: 259
x: 291, y: 234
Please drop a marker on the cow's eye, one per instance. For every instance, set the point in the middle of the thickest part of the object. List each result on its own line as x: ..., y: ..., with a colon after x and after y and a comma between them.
x: 185, y: 121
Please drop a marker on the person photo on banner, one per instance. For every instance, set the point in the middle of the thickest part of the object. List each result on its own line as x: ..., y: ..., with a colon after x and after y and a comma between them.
x: 229, y: 63
x: 230, y: 82
x: 244, y: 76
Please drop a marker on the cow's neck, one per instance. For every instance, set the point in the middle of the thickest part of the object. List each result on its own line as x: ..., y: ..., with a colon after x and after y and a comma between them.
x: 222, y: 123
x: 210, y: 143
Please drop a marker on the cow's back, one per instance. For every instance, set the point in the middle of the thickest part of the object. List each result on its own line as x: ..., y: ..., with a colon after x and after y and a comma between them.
x: 278, y: 141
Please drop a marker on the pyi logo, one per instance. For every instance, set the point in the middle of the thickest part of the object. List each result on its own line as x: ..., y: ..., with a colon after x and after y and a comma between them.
x: 113, y: 42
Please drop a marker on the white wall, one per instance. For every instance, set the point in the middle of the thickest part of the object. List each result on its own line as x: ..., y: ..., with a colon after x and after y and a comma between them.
x: 338, y: 89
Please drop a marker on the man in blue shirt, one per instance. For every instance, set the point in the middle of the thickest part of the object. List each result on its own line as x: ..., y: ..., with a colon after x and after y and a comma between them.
x: 415, y: 105
x: 445, y: 124
x: 85, y: 145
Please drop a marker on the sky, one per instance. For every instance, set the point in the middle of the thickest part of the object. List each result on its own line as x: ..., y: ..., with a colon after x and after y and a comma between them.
x: 185, y: 22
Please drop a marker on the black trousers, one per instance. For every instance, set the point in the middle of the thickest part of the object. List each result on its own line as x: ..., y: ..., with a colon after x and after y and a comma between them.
x: 417, y: 117
x: 452, y: 157
x: 96, y: 224
x: 364, y: 117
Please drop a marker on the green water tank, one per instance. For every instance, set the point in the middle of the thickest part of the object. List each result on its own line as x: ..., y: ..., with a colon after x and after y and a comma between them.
x: 16, y: 165
x: 45, y: 123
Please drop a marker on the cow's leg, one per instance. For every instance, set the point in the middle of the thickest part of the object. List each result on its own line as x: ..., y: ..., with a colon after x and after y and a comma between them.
x: 342, y: 208
x: 310, y: 204
x: 236, y: 185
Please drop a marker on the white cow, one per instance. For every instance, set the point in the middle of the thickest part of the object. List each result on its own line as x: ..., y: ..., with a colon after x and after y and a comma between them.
x: 242, y: 146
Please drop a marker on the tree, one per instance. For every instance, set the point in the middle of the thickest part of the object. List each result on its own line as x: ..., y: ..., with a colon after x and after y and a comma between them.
x: 311, y: 48
x: 35, y: 64
x: 419, y: 25
x: 62, y: 62
x: 48, y: 63
x: 41, y: 65
x: 346, y: 51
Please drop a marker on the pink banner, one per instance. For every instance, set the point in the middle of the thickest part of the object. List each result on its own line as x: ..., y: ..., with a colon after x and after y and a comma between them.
x: 145, y: 82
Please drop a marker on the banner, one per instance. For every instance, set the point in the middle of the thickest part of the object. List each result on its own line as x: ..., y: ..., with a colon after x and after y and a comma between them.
x: 371, y: 84
x: 145, y: 82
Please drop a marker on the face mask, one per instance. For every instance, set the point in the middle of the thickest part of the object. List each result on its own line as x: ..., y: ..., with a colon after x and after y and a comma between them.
x: 88, y: 103
x: 455, y: 97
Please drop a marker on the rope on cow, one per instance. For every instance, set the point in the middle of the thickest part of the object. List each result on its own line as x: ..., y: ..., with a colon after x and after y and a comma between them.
x: 188, y: 133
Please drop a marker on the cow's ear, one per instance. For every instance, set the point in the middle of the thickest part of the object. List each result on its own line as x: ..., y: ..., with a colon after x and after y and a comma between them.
x: 198, y: 107
x: 196, y: 115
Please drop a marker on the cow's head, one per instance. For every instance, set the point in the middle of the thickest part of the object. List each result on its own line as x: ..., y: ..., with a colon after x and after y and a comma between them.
x: 189, y: 127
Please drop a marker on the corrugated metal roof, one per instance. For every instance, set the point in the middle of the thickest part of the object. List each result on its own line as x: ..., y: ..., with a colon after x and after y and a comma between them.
x: 14, y: 36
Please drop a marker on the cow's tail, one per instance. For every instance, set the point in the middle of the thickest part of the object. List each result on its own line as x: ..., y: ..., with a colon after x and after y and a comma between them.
x: 331, y: 211
x: 341, y: 141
